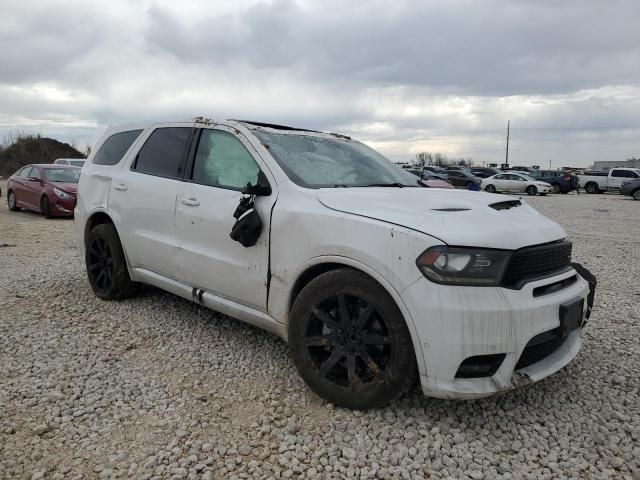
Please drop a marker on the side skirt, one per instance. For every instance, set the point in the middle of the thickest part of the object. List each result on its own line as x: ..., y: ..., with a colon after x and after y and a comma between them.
x: 211, y: 301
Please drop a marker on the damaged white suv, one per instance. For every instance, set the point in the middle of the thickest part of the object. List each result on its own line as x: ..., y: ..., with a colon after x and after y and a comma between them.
x: 373, y: 279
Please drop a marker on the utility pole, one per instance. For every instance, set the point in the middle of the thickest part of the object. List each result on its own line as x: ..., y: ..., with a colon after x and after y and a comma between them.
x: 506, y: 160
x: 549, y: 164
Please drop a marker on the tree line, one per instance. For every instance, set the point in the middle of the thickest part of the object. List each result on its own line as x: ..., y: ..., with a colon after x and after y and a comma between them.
x: 438, y: 159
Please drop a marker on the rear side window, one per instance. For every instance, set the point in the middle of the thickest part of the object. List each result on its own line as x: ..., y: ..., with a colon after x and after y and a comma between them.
x: 114, y: 147
x: 164, y: 152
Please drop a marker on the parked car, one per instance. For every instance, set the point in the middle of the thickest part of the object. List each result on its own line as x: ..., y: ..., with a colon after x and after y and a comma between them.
x: 439, y: 172
x: 484, y: 172
x: 522, y: 169
x: 429, y: 179
x: 561, y: 182
x: 45, y: 188
x: 515, y: 183
x: 373, y: 279
x: 464, y: 178
x: 74, y: 162
x: 631, y: 188
x: 597, y: 182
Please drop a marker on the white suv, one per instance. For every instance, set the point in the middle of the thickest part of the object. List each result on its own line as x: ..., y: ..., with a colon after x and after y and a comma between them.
x: 372, y: 278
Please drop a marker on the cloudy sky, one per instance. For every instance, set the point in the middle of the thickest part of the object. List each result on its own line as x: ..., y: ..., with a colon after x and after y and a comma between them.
x: 402, y: 76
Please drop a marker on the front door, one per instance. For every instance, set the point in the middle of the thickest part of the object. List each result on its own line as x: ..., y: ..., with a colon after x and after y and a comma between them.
x: 208, y: 258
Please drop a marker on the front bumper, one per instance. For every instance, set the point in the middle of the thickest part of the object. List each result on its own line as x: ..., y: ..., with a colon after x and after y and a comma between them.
x: 63, y: 208
x: 456, y: 323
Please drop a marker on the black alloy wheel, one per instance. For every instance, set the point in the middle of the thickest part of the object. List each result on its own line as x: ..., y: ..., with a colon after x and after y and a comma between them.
x: 106, y: 264
x: 100, y: 264
x: 349, y: 341
x: 490, y: 189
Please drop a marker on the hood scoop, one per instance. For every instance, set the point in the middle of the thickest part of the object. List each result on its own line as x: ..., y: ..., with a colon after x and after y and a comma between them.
x: 450, y: 209
x: 506, y: 205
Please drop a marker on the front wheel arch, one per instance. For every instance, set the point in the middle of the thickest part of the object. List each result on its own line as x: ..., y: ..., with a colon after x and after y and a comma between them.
x: 320, y: 265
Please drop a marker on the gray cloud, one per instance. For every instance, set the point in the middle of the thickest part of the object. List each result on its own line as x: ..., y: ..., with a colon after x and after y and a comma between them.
x: 403, y: 76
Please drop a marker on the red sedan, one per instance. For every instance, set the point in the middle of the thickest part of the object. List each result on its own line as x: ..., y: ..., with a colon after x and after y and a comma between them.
x: 45, y: 188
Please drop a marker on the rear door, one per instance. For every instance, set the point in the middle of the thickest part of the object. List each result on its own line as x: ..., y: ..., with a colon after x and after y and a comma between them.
x: 142, y: 198
x: 501, y: 182
x: 223, y: 164
x: 33, y: 187
x: 19, y: 187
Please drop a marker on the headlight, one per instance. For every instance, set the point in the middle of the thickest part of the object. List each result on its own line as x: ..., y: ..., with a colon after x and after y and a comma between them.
x: 62, y: 195
x: 463, y: 266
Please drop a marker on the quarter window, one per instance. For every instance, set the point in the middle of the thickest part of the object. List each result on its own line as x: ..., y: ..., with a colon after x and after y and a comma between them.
x: 114, y: 147
x: 164, y: 152
x: 222, y: 161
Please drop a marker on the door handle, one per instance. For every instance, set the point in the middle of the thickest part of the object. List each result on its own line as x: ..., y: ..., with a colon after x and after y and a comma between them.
x: 121, y: 187
x: 190, y: 202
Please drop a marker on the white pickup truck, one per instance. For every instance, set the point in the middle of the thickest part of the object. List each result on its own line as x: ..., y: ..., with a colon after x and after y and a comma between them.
x: 597, y: 182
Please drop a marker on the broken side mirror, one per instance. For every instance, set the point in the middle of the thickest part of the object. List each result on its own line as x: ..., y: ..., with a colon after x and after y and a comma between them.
x: 260, y: 189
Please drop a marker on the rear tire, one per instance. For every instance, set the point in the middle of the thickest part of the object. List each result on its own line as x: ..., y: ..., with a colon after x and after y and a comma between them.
x: 532, y: 190
x: 11, y: 202
x: 349, y: 341
x: 106, y: 264
x: 555, y: 188
x: 636, y: 194
x: 45, y: 206
x: 591, y: 188
x: 490, y: 189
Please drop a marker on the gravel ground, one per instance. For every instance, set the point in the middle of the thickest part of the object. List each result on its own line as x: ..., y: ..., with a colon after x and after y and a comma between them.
x: 155, y: 387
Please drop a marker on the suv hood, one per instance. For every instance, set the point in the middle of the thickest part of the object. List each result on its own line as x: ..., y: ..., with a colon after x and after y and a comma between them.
x: 456, y: 217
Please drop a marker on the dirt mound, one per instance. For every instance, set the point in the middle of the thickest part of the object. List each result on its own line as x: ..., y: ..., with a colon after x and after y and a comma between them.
x: 33, y: 149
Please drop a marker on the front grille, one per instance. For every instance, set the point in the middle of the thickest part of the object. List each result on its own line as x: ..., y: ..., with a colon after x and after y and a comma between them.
x: 532, y: 262
x: 534, y: 352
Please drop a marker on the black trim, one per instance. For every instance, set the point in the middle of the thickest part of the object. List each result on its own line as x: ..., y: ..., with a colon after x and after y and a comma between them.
x: 276, y: 126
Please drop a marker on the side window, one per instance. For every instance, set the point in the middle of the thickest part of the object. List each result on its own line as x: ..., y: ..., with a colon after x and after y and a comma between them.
x: 617, y: 173
x: 163, y: 152
x: 222, y: 161
x: 114, y: 147
x: 35, y: 173
x: 500, y: 177
x: 25, y: 172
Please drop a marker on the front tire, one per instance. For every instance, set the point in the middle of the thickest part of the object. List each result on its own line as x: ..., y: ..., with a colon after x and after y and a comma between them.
x: 349, y: 341
x: 490, y: 189
x: 636, y: 194
x: 45, y: 207
x: 532, y: 190
x: 11, y: 202
x: 106, y: 264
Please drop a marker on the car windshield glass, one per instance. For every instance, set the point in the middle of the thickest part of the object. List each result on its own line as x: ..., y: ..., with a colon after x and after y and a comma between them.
x: 62, y: 175
x: 317, y: 161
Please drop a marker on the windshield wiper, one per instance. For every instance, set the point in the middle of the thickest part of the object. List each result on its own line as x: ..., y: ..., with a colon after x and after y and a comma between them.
x: 394, y: 184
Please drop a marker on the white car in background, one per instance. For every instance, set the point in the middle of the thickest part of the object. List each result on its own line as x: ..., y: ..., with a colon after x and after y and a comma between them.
x: 515, y: 182
x: 373, y: 279
x: 74, y: 162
